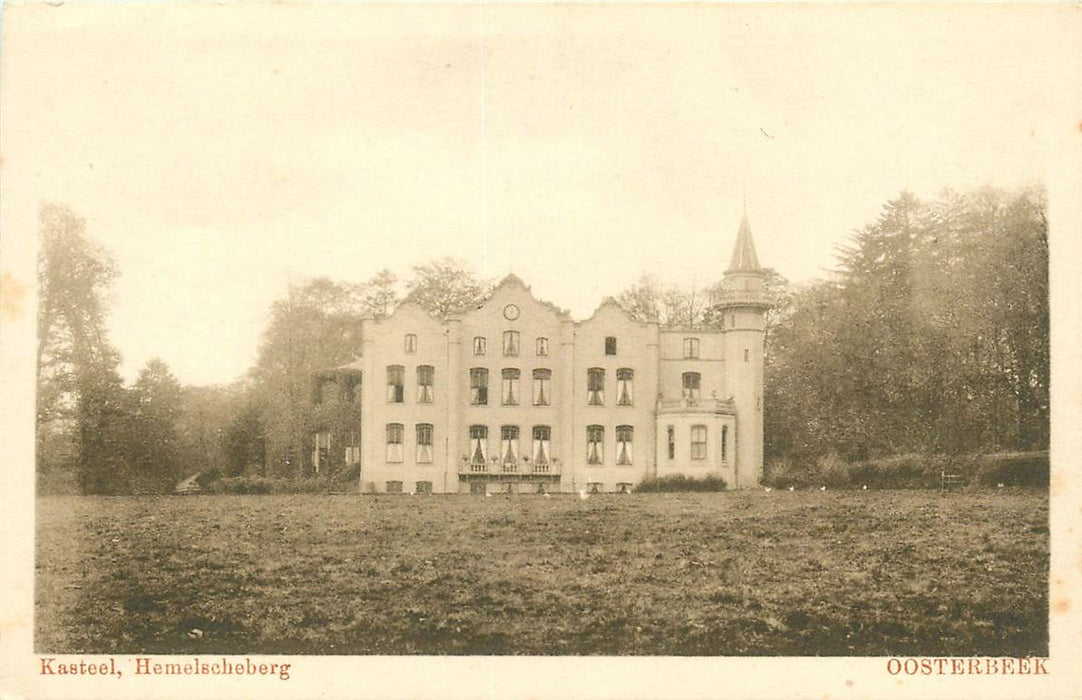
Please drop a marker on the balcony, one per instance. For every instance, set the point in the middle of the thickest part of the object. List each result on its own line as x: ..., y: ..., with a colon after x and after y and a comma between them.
x: 696, y: 405
x: 525, y: 469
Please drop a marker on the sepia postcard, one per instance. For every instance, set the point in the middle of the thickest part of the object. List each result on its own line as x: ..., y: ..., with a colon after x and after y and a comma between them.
x: 540, y: 350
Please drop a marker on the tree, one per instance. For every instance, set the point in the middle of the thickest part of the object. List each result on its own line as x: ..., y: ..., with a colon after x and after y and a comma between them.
x: 446, y: 287
x: 155, y: 447
x: 81, y: 399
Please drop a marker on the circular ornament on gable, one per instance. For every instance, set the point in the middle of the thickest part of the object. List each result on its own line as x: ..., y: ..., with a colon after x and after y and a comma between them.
x: 510, y: 312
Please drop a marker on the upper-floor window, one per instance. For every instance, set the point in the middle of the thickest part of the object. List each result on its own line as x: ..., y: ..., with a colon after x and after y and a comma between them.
x: 509, y: 393
x: 509, y: 447
x: 724, y: 443
x: 329, y: 391
x: 671, y: 437
x: 478, y: 447
x: 595, y: 386
x: 691, y: 348
x: 396, y: 383
x: 395, y: 438
x: 411, y: 343
x: 480, y: 345
x: 542, y: 435
x: 624, y: 380
x: 510, y: 343
x: 595, y: 444
x: 426, y: 378
x: 542, y: 387
x: 424, y: 443
x: 541, y: 347
x: 698, y: 442
x: 623, y: 444
x: 479, y: 386
x: 610, y: 345
x: 692, y: 383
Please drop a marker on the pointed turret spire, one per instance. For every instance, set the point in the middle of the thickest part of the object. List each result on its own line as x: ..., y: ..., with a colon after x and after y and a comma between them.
x: 744, y: 258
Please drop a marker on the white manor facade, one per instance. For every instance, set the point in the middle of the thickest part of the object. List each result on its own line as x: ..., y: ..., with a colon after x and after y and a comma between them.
x: 517, y: 397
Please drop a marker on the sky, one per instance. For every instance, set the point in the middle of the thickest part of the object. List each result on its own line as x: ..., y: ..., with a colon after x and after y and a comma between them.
x: 222, y: 152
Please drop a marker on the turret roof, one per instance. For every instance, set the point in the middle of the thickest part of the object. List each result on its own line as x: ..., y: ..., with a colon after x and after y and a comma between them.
x: 744, y: 258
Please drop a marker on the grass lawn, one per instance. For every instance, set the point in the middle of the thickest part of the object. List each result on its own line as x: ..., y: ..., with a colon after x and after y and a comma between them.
x: 741, y: 573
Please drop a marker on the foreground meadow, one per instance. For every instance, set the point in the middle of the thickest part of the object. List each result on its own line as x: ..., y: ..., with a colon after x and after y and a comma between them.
x: 794, y: 573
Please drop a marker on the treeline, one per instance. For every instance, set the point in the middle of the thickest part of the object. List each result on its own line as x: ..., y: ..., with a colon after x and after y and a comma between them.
x: 930, y: 337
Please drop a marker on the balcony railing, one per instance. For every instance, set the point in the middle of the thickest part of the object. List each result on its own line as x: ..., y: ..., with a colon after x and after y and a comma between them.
x: 695, y: 403
x: 526, y: 467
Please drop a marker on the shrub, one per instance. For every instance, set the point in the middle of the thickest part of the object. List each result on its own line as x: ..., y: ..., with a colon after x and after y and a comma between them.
x: 1014, y: 469
x: 678, y: 482
x: 785, y: 473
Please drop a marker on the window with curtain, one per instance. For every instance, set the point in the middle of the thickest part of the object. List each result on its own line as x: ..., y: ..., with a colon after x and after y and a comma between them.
x: 624, y: 380
x: 410, y: 343
x: 479, y: 386
x: 396, y: 383
x: 426, y: 378
x: 395, y: 438
x: 692, y: 382
x: 623, y: 445
x: 510, y: 343
x: 542, y: 347
x: 424, y: 443
x: 509, y: 393
x: 509, y: 447
x: 595, y: 444
x: 480, y: 345
x: 595, y: 386
x: 478, y: 447
x: 542, y: 434
x: 542, y: 387
x: 698, y: 442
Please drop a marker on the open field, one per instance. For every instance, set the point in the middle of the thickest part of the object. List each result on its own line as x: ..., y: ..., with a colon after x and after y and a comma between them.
x: 795, y: 573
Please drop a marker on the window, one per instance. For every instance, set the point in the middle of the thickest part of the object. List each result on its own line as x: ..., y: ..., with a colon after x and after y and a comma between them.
x: 698, y: 442
x: 624, y: 487
x: 478, y: 448
x: 423, y: 487
x: 594, y: 487
x: 595, y: 444
x: 671, y: 433
x: 624, y: 378
x: 394, y: 442
x: 692, y: 382
x: 321, y: 456
x: 424, y: 443
x: 724, y: 443
x: 610, y: 345
x: 542, y: 387
x: 353, y: 448
x: 509, y: 393
x: 595, y: 386
x: 542, y: 434
x: 510, y: 343
x: 394, y: 487
x: 479, y: 386
x: 541, y: 348
x: 745, y: 354
x: 623, y: 445
x: 480, y: 345
x: 426, y: 377
x: 509, y: 447
x: 411, y: 343
x: 691, y: 348
x: 351, y: 389
x: 328, y: 391
x: 396, y: 381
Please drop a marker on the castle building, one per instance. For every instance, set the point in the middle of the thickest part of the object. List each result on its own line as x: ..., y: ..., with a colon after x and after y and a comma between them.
x: 518, y: 397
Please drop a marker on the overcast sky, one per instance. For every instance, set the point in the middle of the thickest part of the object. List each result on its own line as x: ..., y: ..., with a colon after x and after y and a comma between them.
x: 220, y: 152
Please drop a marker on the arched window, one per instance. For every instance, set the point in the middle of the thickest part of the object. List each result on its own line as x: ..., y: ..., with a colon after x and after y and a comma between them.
x: 509, y: 447
x: 509, y: 389
x: 542, y: 436
x: 623, y: 445
x: 692, y: 383
x: 542, y: 387
x: 479, y: 386
x: 478, y: 448
x: 396, y: 383
x: 595, y: 444
x: 595, y: 386
x: 426, y: 378
x: 624, y: 379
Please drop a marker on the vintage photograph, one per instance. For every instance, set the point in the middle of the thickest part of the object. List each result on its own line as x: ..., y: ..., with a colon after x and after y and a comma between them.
x: 503, y: 330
